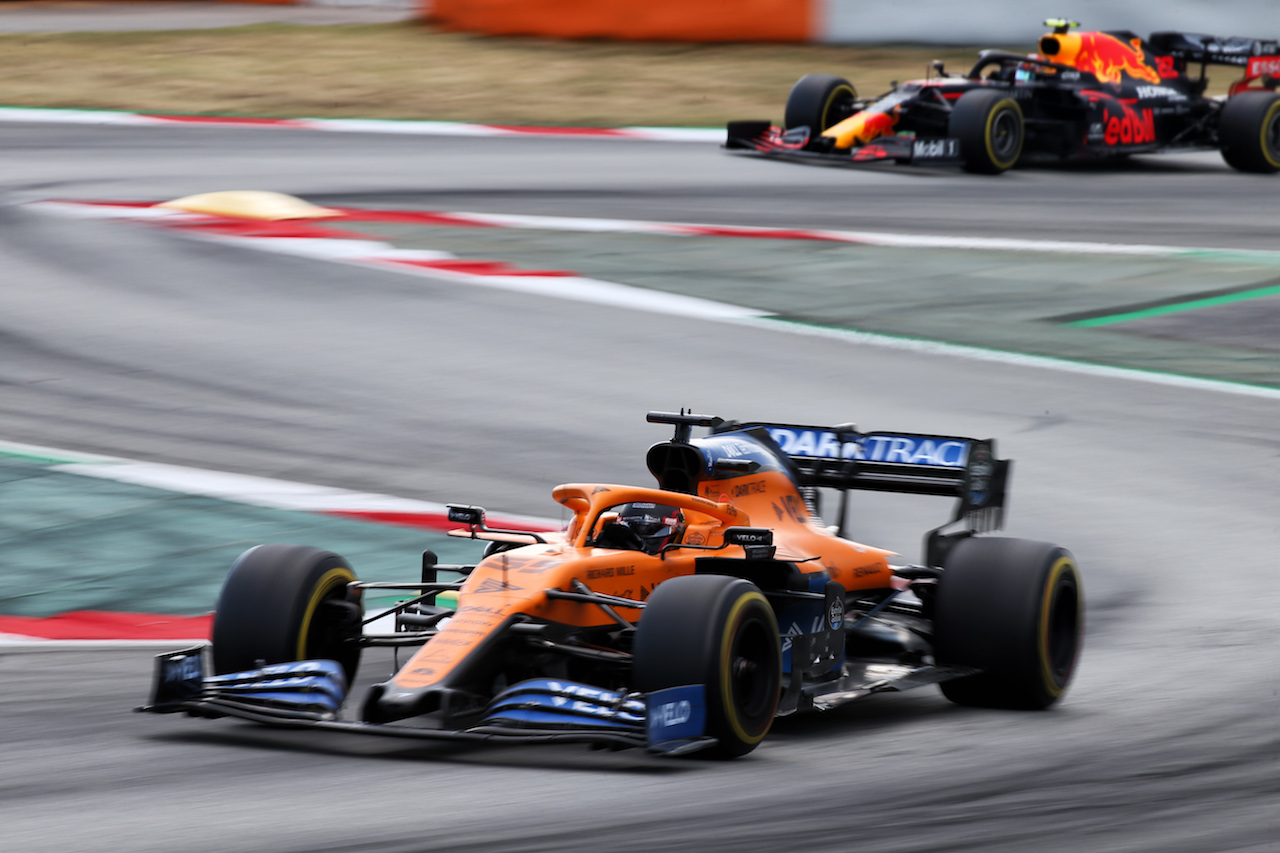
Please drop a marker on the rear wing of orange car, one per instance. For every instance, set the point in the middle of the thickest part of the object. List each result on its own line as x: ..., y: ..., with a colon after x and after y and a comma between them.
x: 840, y: 457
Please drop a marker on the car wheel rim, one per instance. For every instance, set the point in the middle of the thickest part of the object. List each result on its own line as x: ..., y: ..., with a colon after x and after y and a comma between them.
x: 750, y: 680
x: 1004, y: 135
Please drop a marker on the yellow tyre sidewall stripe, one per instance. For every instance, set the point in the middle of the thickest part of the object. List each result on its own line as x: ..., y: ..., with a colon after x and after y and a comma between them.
x: 726, y: 668
x: 1262, y: 134
x: 330, y: 580
x: 826, y: 108
x: 1060, y: 568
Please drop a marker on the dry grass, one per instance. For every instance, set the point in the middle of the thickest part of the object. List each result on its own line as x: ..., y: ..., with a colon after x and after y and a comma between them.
x: 414, y: 71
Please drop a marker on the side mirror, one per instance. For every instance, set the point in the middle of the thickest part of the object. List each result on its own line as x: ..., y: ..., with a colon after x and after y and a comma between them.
x: 470, y: 515
x: 756, y: 541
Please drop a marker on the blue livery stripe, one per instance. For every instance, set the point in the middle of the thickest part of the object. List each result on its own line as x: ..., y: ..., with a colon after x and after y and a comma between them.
x: 528, y: 718
x: 890, y: 448
x: 677, y: 713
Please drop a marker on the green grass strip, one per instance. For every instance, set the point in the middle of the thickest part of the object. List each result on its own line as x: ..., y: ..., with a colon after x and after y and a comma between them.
x: 38, y: 458
x: 1190, y: 305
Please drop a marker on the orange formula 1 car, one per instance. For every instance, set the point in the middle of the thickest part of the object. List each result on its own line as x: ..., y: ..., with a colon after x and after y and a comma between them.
x: 676, y: 618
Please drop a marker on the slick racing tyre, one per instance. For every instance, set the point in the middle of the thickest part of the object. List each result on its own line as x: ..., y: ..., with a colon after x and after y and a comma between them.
x: 1249, y: 132
x: 818, y: 101
x: 1012, y: 608
x: 720, y: 632
x: 989, y: 125
x: 282, y: 603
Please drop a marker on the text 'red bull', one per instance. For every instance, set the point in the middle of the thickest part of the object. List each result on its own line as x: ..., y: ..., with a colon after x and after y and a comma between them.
x: 1131, y: 128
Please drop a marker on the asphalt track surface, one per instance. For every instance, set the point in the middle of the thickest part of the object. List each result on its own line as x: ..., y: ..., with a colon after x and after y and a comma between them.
x: 130, y: 341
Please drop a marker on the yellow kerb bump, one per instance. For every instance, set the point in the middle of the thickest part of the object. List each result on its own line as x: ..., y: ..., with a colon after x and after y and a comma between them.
x: 250, y: 204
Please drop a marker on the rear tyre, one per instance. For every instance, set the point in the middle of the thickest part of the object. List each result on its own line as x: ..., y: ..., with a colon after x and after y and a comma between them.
x: 720, y: 632
x: 990, y: 128
x: 283, y: 603
x: 1249, y: 132
x: 818, y: 101
x: 1012, y: 608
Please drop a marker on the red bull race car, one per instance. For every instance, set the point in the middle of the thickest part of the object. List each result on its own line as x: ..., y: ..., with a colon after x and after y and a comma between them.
x: 1084, y: 95
x: 675, y: 618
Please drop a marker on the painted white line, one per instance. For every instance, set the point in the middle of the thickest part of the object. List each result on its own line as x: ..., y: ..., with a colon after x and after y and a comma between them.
x: 612, y: 294
x: 237, y: 488
x: 21, y: 639
x: 53, y: 455
x: 23, y: 643
x: 87, y: 210
x: 593, y: 225
x: 449, y: 128
x: 415, y: 128
x: 380, y: 126
x: 55, y: 116
x: 324, y: 249
x: 1018, y: 359
x: 418, y: 262
x: 247, y: 489
x: 576, y: 288
x: 862, y: 238
x: 580, y: 289
x: 678, y: 134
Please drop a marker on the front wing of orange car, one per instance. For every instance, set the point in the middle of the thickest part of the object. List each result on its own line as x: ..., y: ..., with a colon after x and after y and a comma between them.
x: 310, y: 694
x: 670, y: 722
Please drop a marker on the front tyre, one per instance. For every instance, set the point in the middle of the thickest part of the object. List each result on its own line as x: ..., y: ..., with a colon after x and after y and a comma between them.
x: 283, y: 603
x: 1014, y: 609
x: 990, y: 128
x: 818, y: 101
x: 1249, y: 132
x: 720, y: 632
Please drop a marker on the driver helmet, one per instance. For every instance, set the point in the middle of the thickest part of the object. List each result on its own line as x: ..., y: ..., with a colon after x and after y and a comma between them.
x: 657, y: 525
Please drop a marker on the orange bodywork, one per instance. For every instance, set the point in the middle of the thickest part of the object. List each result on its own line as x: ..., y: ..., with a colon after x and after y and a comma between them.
x: 862, y: 127
x: 514, y: 583
x: 664, y: 20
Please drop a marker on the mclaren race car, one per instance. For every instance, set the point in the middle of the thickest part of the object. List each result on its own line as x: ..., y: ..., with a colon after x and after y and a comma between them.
x: 678, y: 618
x: 1084, y: 95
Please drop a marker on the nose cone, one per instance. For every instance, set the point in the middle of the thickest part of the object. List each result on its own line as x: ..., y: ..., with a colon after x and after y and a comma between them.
x: 860, y: 128
x: 385, y: 704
